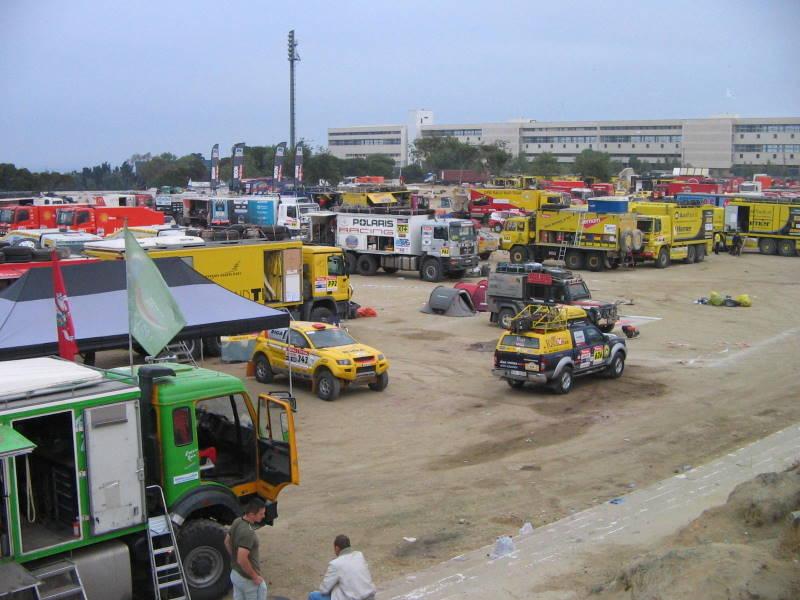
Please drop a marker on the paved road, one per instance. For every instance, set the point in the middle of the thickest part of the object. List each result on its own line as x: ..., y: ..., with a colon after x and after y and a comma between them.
x: 640, y: 517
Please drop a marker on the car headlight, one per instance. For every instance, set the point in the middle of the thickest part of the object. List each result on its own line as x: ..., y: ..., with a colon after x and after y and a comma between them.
x: 343, y: 361
x: 381, y: 357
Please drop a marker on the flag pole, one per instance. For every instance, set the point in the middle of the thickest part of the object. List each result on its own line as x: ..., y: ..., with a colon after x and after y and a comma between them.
x: 128, y: 301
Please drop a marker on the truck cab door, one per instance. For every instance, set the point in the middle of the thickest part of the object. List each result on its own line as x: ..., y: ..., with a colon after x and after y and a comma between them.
x: 277, y: 451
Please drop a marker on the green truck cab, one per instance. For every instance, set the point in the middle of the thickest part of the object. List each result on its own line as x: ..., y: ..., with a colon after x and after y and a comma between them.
x: 81, y: 447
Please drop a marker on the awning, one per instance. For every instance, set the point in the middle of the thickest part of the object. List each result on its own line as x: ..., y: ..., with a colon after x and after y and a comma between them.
x: 99, y: 305
x: 13, y: 443
x: 382, y: 198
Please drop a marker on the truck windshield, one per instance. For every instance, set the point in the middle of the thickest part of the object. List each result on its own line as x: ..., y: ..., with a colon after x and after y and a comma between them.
x: 307, y: 208
x: 335, y: 265
x: 64, y: 217
x: 520, y: 341
x: 462, y: 232
x: 578, y: 291
x: 6, y: 215
x: 329, y: 338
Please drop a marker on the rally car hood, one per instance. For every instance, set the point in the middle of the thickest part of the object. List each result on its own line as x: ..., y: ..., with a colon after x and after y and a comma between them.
x: 351, y: 351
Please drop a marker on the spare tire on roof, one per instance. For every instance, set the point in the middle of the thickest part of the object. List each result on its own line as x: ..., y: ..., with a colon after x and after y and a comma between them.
x: 18, y: 254
x: 41, y: 254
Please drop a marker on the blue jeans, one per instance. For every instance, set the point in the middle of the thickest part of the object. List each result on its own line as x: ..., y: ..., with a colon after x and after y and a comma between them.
x: 319, y: 596
x: 245, y: 589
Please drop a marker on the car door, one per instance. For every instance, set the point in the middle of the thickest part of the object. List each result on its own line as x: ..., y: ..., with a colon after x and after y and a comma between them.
x: 299, y: 354
x: 597, y: 344
x: 277, y: 452
x: 277, y: 344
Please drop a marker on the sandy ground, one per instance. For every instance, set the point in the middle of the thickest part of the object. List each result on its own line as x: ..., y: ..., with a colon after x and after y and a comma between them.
x: 453, y: 457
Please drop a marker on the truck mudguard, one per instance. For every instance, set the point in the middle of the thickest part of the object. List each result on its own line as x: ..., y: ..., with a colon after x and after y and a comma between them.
x: 565, y: 361
x: 203, y: 498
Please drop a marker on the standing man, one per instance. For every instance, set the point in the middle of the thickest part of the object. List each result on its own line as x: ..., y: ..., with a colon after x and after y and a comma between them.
x: 242, y: 544
x: 347, y: 577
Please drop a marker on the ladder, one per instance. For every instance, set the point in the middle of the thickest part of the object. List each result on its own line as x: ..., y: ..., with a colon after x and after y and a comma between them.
x: 178, y: 352
x: 576, y: 239
x: 169, y: 579
x: 59, y: 580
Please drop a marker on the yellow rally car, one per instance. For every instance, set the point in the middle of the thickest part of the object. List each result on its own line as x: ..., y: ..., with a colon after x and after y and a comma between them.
x: 322, y: 353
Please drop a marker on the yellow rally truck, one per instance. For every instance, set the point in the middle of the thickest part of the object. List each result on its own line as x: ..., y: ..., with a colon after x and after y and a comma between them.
x: 311, y: 282
x: 773, y: 222
x: 579, y: 238
x: 676, y: 232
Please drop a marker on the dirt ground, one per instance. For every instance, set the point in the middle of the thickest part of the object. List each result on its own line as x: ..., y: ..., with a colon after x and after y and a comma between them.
x: 453, y: 457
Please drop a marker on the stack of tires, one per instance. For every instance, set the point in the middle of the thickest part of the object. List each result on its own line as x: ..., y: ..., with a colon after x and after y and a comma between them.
x: 23, y: 254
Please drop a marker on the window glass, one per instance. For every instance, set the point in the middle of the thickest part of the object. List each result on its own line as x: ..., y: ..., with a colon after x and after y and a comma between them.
x: 182, y: 429
x: 593, y: 335
x: 329, y: 338
x: 297, y: 339
x: 83, y: 217
x: 6, y: 215
x: 335, y: 265
x: 520, y: 341
x: 23, y: 215
x: 439, y: 233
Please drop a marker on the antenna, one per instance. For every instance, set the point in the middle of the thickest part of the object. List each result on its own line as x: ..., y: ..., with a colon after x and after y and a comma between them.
x: 293, y: 58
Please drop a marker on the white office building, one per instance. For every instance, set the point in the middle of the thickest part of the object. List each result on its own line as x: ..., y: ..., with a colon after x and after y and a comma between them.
x: 370, y: 140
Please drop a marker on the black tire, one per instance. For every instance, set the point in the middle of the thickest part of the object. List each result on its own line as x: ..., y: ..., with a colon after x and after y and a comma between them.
x: 787, y: 248
x: 40, y: 254
x: 456, y: 274
x: 767, y: 246
x: 263, y: 370
x: 2, y: 256
x: 518, y: 254
x: 700, y: 253
x: 563, y: 383
x: 351, y: 261
x: 607, y: 328
x: 574, y: 259
x: 18, y: 254
x: 595, y: 261
x: 212, y: 346
x: 367, y: 265
x: 691, y: 255
x: 390, y: 270
x: 504, y: 317
x: 497, y: 228
x: 616, y: 367
x: 328, y: 386
x: 431, y: 270
x: 484, y: 255
x: 380, y: 383
x: 662, y: 260
x: 322, y: 314
x: 206, y: 562
x: 515, y: 384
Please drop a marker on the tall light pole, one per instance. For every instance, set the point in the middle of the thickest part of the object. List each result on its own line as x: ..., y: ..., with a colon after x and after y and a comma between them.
x: 293, y: 58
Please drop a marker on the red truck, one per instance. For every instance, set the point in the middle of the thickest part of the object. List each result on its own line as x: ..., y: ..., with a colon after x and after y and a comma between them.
x: 28, y: 217
x: 105, y: 220
x: 688, y: 186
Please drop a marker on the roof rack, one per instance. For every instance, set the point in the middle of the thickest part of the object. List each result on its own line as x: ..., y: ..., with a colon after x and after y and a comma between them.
x: 543, y: 317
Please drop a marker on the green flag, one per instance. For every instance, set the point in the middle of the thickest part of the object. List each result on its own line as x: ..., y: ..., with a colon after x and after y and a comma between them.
x: 153, y: 315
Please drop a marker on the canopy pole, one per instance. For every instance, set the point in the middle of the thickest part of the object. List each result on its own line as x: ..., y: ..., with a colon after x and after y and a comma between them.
x: 128, y: 300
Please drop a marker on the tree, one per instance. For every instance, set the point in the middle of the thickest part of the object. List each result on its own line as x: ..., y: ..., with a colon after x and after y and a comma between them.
x: 494, y: 157
x: 546, y: 165
x: 413, y: 173
x: 520, y: 165
x: 591, y: 163
x: 323, y: 165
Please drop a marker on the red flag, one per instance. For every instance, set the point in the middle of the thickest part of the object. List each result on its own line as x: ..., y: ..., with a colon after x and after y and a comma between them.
x: 67, y: 348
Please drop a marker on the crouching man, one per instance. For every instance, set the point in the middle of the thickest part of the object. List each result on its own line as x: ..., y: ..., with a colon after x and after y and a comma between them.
x: 347, y: 577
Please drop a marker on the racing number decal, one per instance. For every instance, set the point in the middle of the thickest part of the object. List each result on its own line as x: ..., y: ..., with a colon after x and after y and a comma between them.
x: 597, y: 354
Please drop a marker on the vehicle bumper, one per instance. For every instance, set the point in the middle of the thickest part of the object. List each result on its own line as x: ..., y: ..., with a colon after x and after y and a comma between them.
x: 463, y: 262
x: 520, y: 375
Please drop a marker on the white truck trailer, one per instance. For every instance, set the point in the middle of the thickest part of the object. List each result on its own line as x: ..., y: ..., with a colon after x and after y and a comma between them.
x: 407, y: 241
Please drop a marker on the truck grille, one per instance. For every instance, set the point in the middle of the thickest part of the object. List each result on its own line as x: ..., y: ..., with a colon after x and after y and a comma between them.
x: 370, y: 370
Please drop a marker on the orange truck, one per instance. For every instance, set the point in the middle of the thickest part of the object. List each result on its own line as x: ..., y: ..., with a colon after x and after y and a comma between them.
x: 28, y: 217
x: 105, y: 220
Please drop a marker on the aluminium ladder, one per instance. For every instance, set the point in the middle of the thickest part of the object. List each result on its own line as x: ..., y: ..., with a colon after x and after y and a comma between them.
x: 59, y: 580
x: 576, y: 239
x: 169, y: 578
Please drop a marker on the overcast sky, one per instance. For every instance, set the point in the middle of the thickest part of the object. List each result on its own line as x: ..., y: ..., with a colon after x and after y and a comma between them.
x: 82, y: 82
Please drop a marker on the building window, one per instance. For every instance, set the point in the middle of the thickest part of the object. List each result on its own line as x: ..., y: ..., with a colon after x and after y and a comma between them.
x: 758, y: 136
x: 774, y: 136
x: 633, y: 145
x: 647, y: 145
x: 619, y: 145
x: 605, y: 145
x: 741, y: 156
x: 774, y: 156
x: 563, y: 145
x: 758, y: 156
x: 741, y: 136
x: 662, y: 145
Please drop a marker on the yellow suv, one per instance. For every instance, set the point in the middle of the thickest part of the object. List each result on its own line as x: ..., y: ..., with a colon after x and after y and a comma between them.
x: 321, y: 353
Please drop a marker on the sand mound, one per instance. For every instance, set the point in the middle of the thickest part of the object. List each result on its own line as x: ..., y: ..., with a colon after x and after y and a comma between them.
x: 745, y: 549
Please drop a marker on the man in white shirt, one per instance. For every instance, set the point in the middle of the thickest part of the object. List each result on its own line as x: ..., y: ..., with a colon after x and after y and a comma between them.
x: 347, y: 577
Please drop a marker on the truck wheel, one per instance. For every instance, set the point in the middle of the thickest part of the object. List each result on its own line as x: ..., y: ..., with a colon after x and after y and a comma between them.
x: 662, y: 261
x: 212, y: 346
x: 515, y: 384
x: 504, y: 318
x: 351, y: 262
x: 367, y: 265
x: 206, y: 562
x: 573, y: 259
x: 390, y: 270
x: 328, y: 386
x: 691, y: 255
x: 767, y: 246
x: 700, y: 253
x: 518, y: 254
x: 322, y: 314
x: 484, y: 255
x: 431, y: 270
x: 563, y: 384
x: 607, y: 328
x: 380, y: 382
x: 263, y: 370
x: 787, y: 248
x: 595, y: 261
x: 616, y: 366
